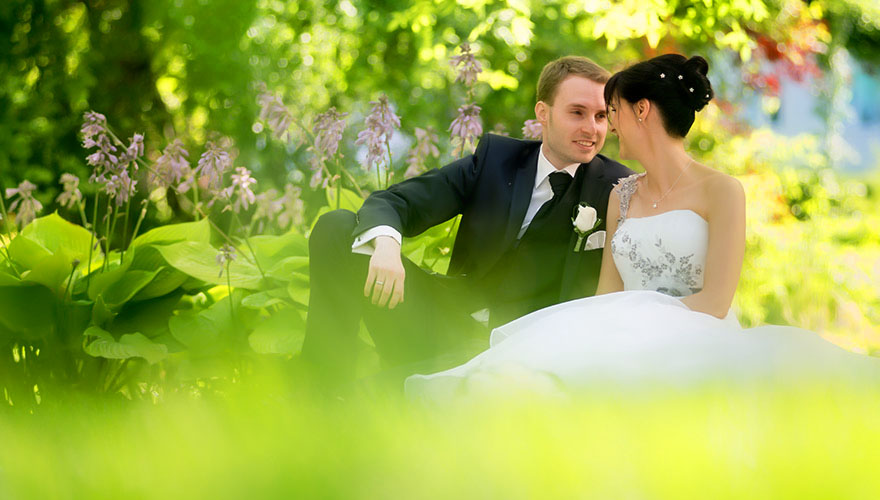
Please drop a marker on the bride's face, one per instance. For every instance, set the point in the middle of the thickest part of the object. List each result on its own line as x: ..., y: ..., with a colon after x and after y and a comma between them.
x: 622, y: 121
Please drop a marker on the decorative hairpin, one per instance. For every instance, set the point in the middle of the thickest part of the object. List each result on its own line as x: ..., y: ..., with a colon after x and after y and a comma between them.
x: 691, y: 89
x: 662, y: 75
x: 707, y: 96
x: 680, y: 77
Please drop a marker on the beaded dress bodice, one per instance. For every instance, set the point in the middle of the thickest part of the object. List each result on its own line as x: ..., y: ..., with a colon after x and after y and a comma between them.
x: 664, y: 252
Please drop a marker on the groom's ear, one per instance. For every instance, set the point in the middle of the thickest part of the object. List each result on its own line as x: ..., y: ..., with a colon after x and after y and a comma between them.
x: 541, y: 110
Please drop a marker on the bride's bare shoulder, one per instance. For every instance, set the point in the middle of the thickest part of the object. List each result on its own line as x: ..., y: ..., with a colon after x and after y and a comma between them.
x: 721, y: 189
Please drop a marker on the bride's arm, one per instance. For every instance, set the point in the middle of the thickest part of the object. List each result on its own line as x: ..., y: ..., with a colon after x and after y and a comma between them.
x: 609, y: 278
x: 727, y: 242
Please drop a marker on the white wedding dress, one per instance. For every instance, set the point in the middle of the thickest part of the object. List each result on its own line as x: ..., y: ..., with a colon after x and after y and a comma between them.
x: 644, y: 336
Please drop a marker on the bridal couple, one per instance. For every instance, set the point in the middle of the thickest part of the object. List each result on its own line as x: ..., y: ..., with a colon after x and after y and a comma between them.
x: 546, y: 226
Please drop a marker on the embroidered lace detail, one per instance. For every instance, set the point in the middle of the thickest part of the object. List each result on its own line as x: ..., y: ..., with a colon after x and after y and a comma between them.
x: 628, y: 186
x: 680, y: 275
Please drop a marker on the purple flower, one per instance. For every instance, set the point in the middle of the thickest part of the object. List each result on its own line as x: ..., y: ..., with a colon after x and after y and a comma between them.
x: 226, y: 255
x: 500, y: 129
x: 241, y: 184
x: 120, y: 187
x: 426, y: 145
x: 467, y: 65
x: 532, y: 129
x: 71, y: 194
x: 328, y: 129
x: 466, y: 126
x: 274, y: 113
x: 293, y: 207
x: 25, y: 206
x: 94, y: 124
x: 171, y: 168
x: 134, y: 151
x: 269, y: 205
x: 328, y: 132
x: 95, y: 135
x: 213, y: 163
x: 380, y: 125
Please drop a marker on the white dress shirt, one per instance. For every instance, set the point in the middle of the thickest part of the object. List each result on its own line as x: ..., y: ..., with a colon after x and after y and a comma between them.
x: 541, y: 193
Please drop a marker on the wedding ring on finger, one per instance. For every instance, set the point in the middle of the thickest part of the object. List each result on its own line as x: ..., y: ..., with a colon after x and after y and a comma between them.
x: 380, y: 282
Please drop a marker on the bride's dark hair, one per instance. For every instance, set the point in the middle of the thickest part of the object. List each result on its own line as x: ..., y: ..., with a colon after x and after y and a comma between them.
x: 676, y: 85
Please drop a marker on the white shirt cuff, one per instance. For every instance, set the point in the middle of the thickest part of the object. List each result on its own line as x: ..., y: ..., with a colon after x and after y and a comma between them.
x: 363, y: 243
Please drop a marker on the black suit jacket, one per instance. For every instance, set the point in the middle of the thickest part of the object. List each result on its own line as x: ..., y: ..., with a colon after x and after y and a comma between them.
x: 491, y: 189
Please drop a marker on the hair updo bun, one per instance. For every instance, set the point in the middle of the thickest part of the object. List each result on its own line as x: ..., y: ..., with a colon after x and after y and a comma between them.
x: 677, y: 86
x: 694, y: 71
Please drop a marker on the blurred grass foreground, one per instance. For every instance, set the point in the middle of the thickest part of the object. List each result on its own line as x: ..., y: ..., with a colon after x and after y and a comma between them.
x: 162, y: 164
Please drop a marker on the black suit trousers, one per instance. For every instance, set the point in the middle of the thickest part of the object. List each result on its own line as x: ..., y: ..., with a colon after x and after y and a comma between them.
x: 430, y: 330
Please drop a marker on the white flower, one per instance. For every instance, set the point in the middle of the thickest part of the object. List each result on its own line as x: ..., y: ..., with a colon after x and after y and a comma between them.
x: 586, y: 218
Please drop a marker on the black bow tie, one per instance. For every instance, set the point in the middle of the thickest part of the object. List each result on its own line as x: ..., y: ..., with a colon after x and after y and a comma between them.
x: 559, y: 182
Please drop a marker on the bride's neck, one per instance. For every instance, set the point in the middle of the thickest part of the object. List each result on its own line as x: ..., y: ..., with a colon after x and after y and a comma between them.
x: 663, y: 160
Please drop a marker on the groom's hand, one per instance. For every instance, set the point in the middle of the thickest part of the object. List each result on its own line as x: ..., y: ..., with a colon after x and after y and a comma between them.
x: 386, y: 274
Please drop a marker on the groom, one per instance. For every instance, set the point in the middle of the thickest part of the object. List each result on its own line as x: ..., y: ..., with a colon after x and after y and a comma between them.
x: 515, y: 248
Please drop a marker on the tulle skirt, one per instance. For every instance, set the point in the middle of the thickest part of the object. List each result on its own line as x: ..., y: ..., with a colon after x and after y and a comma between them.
x: 638, y: 341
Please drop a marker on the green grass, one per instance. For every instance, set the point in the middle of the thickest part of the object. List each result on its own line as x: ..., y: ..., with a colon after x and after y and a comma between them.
x: 806, y: 442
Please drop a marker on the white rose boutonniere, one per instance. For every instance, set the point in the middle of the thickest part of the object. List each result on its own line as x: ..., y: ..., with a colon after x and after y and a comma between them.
x: 585, y: 221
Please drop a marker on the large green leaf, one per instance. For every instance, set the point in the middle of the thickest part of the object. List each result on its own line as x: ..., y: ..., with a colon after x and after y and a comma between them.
x: 130, y: 345
x: 285, y: 268
x: 272, y: 249
x: 298, y: 289
x: 349, y: 199
x: 282, y: 333
x: 48, y: 248
x: 58, y: 235
x: 268, y: 298
x: 127, y: 286
x: 187, y: 231
x: 167, y: 279
x: 39, y: 265
x: 149, y: 317
x: 198, y: 333
x: 27, y: 312
x: 199, y: 260
x: 101, y: 281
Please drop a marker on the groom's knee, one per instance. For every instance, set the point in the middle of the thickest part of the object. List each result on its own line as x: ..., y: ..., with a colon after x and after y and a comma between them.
x: 332, y: 233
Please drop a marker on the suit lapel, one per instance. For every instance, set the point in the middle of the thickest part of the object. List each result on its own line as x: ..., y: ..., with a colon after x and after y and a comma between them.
x: 591, y: 190
x: 521, y: 195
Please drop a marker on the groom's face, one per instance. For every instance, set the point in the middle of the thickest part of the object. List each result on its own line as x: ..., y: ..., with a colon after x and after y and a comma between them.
x: 575, y: 124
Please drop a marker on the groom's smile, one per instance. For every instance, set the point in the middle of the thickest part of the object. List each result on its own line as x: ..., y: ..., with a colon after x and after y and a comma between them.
x: 574, y: 123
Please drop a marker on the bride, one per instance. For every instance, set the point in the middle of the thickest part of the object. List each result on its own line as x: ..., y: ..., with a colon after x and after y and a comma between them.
x: 662, y: 310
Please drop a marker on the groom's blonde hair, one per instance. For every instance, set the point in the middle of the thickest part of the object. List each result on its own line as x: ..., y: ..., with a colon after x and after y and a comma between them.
x: 556, y: 71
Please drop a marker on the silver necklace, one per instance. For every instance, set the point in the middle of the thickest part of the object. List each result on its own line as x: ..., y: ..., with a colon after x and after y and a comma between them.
x: 658, y: 200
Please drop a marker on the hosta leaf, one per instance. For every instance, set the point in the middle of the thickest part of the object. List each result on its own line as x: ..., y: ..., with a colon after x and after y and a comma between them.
x: 282, y: 333
x: 166, y: 281
x: 59, y: 236
x: 349, y: 199
x: 127, y: 286
x: 298, y: 289
x: 199, y: 260
x: 130, y: 345
x: 149, y: 317
x: 27, y: 312
x: 265, y: 299
x: 285, y: 268
x: 101, y: 281
x: 187, y: 231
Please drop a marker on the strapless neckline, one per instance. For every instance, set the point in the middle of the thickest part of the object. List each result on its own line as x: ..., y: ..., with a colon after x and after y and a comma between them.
x: 665, y: 213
